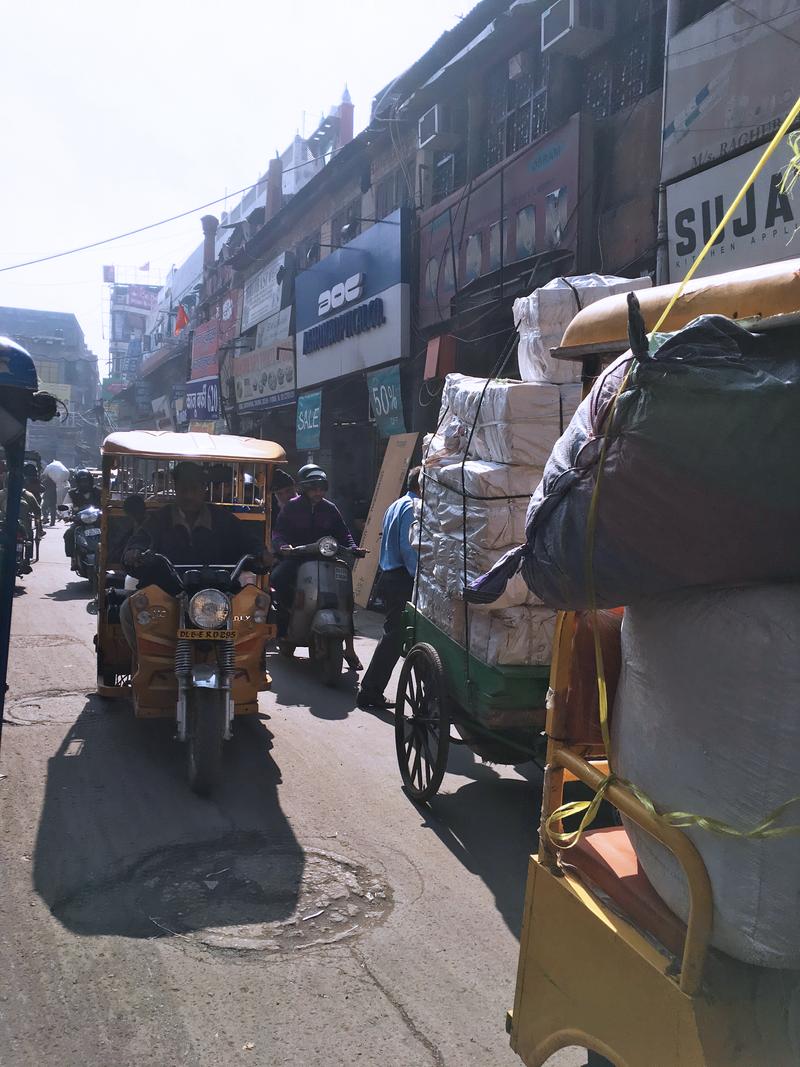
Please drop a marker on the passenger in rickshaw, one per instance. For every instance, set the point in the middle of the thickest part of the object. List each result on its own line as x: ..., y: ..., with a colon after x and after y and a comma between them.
x: 135, y: 511
x: 188, y: 530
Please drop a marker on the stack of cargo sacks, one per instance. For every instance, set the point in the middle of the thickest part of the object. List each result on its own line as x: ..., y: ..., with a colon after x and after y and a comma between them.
x: 542, y: 318
x: 480, y: 467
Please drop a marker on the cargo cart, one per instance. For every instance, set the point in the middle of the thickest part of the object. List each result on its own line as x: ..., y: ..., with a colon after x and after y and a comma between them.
x: 496, y: 711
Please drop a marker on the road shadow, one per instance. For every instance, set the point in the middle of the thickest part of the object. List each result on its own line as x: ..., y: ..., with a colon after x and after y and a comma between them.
x: 79, y: 590
x: 295, y: 685
x: 125, y: 848
x: 490, y: 825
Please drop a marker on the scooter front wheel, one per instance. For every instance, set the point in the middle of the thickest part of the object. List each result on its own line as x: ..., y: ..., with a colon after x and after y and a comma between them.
x: 205, y: 733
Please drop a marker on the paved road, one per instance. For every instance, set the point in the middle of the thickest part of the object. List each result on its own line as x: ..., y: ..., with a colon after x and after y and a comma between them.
x: 307, y: 914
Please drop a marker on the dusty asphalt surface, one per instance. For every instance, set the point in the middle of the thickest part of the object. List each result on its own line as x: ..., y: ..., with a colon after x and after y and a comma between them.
x: 308, y: 914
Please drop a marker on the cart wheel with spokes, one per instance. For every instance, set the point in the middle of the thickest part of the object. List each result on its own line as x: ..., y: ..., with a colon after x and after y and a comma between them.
x: 422, y: 723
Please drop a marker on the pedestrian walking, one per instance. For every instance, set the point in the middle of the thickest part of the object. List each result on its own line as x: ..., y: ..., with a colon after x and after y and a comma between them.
x: 398, y: 565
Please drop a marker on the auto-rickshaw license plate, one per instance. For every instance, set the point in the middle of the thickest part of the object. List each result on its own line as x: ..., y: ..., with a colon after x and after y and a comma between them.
x: 207, y: 635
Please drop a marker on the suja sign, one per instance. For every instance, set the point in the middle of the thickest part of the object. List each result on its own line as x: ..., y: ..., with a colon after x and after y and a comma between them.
x: 386, y: 400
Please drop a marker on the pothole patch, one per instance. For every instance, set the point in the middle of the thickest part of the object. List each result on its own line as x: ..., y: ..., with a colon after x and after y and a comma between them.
x: 244, y: 894
x: 45, y: 640
x: 50, y: 706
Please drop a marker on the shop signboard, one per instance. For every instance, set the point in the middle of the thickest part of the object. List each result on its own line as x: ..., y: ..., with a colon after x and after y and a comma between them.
x: 265, y: 377
x: 143, y: 392
x: 386, y: 400
x: 274, y: 329
x: 726, y: 82
x: 202, y: 398
x: 352, y: 308
x: 263, y: 292
x: 464, y: 237
x: 205, y: 348
x: 179, y: 406
x: 228, y: 312
x: 162, y: 410
x: 309, y: 420
x: 761, y: 231
x: 142, y: 296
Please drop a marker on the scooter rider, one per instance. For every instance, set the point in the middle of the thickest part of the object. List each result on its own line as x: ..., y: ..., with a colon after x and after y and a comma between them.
x: 303, y: 520
x: 84, y: 495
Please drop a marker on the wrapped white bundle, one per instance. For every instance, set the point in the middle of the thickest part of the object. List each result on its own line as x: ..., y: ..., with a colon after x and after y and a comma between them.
x: 448, y: 572
x: 515, y: 422
x: 494, y: 523
x: 542, y: 318
x: 514, y: 636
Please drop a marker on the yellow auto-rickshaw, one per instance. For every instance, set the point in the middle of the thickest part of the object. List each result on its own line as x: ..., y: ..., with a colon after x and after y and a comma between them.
x: 200, y: 642
x: 604, y: 964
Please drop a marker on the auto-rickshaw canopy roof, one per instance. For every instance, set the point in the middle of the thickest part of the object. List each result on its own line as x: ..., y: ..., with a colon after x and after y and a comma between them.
x: 198, y: 446
x: 765, y: 294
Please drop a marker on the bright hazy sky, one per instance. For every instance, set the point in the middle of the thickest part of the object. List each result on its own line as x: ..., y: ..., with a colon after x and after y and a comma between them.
x: 115, y: 115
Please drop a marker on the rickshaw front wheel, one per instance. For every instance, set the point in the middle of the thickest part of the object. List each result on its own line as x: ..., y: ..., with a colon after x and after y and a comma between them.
x: 422, y: 723
x: 205, y: 729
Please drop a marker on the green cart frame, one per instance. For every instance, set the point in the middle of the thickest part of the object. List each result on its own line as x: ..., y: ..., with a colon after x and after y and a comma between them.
x: 498, y: 712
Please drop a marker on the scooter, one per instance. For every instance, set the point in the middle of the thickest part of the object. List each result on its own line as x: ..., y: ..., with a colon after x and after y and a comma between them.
x: 86, y: 526
x: 321, y: 615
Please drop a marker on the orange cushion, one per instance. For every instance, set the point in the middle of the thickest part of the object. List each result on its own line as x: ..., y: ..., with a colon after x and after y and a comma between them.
x: 606, y: 859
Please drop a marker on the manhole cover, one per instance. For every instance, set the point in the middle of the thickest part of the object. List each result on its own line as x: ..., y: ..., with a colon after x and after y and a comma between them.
x: 37, y: 709
x: 245, y: 893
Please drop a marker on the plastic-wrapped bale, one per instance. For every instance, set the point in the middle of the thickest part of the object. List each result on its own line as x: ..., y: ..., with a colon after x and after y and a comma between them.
x: 515, y: 422
x: 705, y: 721
x: 497, y: 499
x: 700, y: 485
x: 517, y: 636
x: 542, y: 318
x: 448, y: 572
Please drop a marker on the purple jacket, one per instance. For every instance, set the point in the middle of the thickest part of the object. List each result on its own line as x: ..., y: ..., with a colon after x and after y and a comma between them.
x: 301, y: 524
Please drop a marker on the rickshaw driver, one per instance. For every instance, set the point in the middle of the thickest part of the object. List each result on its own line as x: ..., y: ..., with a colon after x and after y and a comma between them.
x: 188, y: 531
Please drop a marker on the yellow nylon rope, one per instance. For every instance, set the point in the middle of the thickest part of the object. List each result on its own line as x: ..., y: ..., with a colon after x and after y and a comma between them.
x: 590, y: 807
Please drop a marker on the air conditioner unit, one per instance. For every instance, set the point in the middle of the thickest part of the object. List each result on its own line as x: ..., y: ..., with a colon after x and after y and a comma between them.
x: 435, y: 130
x: 577, y: 27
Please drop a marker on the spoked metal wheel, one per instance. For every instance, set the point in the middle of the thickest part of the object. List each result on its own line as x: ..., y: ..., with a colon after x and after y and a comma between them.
x: 422, y: 722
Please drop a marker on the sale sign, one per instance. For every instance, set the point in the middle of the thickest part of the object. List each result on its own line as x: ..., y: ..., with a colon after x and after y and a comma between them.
x: 386, y: 400
x: 309, y: 420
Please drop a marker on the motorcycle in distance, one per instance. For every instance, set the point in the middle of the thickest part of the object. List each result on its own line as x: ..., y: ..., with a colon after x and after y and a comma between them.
x: 321, y: 615
x: 208, y: 632
x: 86, y: 527
x: 24, y: 551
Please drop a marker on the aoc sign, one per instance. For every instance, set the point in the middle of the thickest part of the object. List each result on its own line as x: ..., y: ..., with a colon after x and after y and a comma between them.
x: 352, y: 308
x: 760, y: 231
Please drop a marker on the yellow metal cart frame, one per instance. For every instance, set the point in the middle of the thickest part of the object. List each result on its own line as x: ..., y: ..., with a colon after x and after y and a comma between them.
x: 595, y: 968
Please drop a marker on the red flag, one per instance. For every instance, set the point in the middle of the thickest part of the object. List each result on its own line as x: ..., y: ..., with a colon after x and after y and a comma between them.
x: 182, y: 319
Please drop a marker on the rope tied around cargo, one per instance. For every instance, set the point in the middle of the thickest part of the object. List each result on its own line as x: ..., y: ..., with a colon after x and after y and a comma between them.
x: 681, y: 820
x: 590, y: 808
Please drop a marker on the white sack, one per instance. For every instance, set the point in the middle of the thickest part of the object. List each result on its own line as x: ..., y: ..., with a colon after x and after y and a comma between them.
x: 706, y: 721
x: 496, y: 522
x: 542, y: 318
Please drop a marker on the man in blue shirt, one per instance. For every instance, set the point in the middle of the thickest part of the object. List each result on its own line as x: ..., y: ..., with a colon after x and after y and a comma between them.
x: 398, y: 567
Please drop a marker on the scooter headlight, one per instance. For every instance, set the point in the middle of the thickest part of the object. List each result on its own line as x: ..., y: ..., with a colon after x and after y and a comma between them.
x: 209, y: 609
x: 328, y: 546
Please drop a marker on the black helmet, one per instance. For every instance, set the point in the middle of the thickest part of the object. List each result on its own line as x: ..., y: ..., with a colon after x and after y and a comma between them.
x: 83, y: 477
x: 30, y: 470
x: 281, y: 479
x: 311, y: 474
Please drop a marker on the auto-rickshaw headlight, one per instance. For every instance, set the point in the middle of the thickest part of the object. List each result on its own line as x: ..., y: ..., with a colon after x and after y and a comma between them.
x: 209, y: 609
x: 328, y: 546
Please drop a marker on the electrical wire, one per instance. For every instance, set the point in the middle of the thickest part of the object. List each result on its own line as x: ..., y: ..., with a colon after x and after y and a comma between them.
x: 150, y: 225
